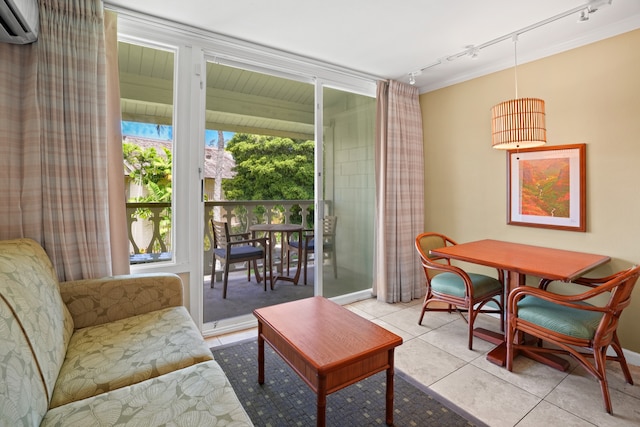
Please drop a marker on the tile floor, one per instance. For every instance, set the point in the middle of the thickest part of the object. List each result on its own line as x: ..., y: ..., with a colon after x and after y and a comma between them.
x: 436, y: 355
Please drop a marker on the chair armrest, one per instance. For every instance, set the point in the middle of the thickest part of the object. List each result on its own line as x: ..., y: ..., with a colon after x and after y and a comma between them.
x: 97, y: 301
x: 447, y: 268
x: 591, y: 282
x: 594, y: 281
x: 573, y: 301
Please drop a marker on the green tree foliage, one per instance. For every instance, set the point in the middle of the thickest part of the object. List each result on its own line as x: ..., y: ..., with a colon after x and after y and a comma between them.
x: 151, y: 170
x: 270, y: 168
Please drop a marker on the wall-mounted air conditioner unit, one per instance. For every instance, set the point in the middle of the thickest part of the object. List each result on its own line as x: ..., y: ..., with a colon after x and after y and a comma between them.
x: 18, y: 21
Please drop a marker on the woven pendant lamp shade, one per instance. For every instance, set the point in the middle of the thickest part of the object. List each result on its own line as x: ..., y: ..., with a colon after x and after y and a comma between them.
x: 518, y: 123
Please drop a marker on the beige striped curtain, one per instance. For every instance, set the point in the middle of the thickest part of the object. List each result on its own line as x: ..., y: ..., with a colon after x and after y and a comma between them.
x: 54, y: 158
x: 398, y: 276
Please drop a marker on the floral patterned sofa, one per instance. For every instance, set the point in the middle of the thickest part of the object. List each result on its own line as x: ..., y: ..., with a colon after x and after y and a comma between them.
x: 115, y: 351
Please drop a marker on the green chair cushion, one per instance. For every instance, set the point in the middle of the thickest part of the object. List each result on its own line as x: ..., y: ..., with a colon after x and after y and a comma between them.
x: 452, y: 284
x: 558, y: 318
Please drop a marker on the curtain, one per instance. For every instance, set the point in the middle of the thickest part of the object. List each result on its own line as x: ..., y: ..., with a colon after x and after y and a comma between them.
x: 398, y: 276
x: 117, y: 201
x: 56, y: 163
x: 21, y: 171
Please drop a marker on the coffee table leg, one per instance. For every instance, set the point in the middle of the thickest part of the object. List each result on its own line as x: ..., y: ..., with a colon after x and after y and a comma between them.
x: 322, y: 401
x: 390, y: 374
x: 260, y: 355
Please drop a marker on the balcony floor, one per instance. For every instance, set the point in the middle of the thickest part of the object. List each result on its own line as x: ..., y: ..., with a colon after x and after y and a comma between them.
x: 243, y: 296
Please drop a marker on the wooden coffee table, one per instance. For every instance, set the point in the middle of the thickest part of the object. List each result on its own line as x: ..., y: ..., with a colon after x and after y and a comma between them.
x: 328, y: 346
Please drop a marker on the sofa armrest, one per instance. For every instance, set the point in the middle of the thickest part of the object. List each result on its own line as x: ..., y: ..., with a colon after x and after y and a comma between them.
x: 96, y: 301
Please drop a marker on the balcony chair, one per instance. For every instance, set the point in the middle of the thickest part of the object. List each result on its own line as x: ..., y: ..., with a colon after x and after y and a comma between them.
x: 462, y: 291
x: 572, y: 325
x: 329, y: 224
x: 233, y: 248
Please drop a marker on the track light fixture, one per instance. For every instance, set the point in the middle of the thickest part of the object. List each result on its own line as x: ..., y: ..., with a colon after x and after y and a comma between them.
x: 412, y: 76
x: 584, y: 16
x: 473, y: 50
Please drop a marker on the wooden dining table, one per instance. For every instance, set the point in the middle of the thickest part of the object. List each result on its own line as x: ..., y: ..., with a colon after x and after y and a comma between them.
x: 285, y: 230
x: 518, y: 260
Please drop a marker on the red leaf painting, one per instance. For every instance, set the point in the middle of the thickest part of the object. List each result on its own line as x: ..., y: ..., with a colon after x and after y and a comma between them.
x: 545, y: 187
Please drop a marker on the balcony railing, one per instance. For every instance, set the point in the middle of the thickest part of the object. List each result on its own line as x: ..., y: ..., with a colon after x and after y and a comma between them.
x: 149, y: 224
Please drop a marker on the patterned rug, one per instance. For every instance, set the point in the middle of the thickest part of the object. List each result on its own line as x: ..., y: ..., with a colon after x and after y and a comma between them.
x: 285, y: 400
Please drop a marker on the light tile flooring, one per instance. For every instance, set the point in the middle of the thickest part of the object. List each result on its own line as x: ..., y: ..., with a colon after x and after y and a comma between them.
x: 436, y: 355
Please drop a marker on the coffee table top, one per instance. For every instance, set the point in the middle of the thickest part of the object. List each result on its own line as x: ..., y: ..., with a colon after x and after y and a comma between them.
x: 325, y: 333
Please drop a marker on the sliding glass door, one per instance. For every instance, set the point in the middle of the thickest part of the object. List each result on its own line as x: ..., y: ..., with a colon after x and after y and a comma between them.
x: 244, y: 134
x: 258, y: 168
x: 348, y: 132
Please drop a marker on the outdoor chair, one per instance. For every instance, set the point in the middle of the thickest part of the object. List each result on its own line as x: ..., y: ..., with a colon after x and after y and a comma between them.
x: 234, y: 248
x: 462, y: 291
x: 329, y: 224
x: 574, y: 325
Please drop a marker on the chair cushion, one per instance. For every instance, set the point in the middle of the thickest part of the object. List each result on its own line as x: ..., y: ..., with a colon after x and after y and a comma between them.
x: 240, y: 252
x: 452, y: 284
x: 558, y: 318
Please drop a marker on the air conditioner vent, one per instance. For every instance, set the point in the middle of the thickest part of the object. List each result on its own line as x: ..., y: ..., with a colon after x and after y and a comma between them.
x: 18, y: 21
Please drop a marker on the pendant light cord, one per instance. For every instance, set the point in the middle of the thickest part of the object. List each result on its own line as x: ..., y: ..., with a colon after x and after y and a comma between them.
x: 515, y: 55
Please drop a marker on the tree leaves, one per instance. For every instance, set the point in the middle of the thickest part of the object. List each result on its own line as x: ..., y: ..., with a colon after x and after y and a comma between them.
x: 270, y: 168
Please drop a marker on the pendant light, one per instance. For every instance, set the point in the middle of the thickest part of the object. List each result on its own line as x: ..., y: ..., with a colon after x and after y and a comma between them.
x: 520, y: 122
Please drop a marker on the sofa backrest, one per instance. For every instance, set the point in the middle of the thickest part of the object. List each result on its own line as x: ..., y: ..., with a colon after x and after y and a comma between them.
x: 23, y: 398
x: 32, y: 307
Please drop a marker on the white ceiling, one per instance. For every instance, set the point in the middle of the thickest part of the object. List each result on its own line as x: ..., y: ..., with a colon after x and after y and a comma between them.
x: 392, y: 38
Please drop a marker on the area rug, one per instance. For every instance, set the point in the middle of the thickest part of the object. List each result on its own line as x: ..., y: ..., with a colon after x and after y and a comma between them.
x: 285, y: 400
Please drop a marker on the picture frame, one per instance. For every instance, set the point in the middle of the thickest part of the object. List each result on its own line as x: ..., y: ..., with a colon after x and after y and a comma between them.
x: 546, y: 187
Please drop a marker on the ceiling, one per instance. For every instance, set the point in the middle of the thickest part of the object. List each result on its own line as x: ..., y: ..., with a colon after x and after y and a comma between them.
x: 391, y: 39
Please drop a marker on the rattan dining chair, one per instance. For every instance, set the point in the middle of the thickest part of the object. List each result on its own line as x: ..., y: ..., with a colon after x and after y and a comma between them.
x: 234, y: 248
x: 462, y: 291
x: 573, y: 325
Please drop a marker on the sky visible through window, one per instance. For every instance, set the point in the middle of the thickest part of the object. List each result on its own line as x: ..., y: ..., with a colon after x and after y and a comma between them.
x: 165, y: 133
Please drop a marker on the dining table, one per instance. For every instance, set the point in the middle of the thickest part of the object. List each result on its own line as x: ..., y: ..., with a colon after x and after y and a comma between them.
x: 285, y: 231
x: 518, y: 261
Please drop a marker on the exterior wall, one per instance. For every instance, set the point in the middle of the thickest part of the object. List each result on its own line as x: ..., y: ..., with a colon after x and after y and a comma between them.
x: 592, y: 96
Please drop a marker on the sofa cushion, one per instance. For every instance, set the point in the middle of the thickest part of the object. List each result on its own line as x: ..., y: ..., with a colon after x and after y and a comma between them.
x: 23, y: 400
x: 29, y: 286
x: 196, y: 396
x: 117, y: 354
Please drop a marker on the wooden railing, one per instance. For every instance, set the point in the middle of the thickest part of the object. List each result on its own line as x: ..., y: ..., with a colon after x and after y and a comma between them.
x: 149, y: 224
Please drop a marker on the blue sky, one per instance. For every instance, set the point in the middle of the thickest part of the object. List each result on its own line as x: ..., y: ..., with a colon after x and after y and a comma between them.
x: 165, y: 133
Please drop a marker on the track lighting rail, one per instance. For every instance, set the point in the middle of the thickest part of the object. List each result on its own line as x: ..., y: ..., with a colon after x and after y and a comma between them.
x: 472, y: 50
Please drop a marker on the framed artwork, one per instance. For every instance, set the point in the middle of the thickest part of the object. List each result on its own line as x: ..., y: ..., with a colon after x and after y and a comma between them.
x: 546, y: 187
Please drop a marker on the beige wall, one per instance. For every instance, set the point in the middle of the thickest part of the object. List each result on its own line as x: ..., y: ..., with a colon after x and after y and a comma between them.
x: 592, y: 96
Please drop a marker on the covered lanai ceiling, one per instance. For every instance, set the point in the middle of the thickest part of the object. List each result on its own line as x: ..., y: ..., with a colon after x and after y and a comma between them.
x: 435, y: 40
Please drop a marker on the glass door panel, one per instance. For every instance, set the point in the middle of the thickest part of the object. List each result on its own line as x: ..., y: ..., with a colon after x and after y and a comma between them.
x: 258, y: 168
x: 146, y: 101
x: 348, y: 192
